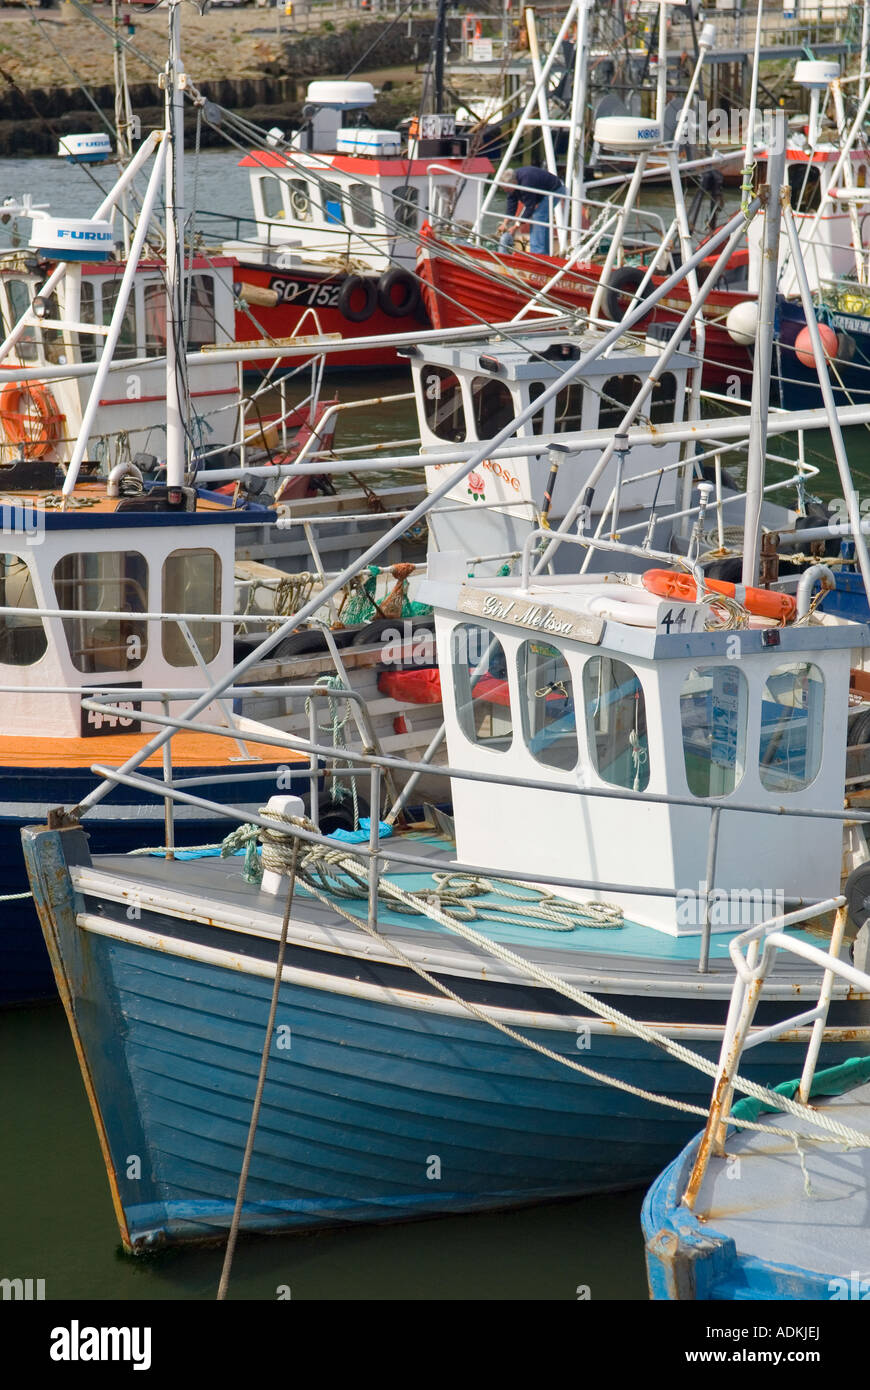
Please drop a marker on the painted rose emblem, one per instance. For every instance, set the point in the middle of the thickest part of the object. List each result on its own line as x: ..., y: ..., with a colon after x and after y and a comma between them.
x: 476, y: 486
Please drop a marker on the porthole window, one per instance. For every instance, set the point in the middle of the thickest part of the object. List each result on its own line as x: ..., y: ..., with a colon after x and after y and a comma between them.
x: 547, y: 704
x: 616, y: 723
x: 406, y: 200
x: 713, y: 705
x: 480, y: 681
x: 792, y: 715
x: 442, y: 402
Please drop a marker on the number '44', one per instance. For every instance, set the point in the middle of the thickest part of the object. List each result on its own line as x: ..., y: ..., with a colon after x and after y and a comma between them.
x: 672, y: 620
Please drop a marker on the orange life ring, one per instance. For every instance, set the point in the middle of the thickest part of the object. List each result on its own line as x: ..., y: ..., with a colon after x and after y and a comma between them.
x: 764, y: 603
x: 30, y: 417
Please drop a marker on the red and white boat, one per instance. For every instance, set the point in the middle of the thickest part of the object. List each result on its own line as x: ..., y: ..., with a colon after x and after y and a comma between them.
x: 338, y: 217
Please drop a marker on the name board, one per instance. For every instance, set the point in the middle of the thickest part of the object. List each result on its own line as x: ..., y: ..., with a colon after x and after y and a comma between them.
x: 554, y: 622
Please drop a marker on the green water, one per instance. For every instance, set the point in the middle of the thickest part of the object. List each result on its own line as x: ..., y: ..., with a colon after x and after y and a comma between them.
x: 57, y: 1222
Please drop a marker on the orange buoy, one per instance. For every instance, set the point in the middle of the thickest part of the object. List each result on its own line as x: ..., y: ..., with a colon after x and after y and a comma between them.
x: 764, y: 603
x: 30, y: 417
x: 803, y: 345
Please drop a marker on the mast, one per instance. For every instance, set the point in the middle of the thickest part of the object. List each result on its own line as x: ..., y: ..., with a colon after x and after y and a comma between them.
x: 174, y: 82
x: 439, y: 43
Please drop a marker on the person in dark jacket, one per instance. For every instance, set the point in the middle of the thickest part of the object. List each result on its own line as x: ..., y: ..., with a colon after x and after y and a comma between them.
x: 536, y: 191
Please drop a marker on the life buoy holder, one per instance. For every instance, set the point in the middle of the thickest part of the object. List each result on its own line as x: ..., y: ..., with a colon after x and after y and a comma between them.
x: 410, y: 293
x: 30, y: 417
x: 354, y: 285
x: 624, y: 281
x: 764, y: 603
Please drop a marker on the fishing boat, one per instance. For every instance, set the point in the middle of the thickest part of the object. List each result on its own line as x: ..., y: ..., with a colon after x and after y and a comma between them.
x: 770, y: 1202
x: 337, y: 213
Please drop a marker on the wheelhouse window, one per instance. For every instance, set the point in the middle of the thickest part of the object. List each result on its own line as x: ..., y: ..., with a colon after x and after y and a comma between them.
x: 713, y: 705
x: 617, y: 394
x: 200, y: 323
x: 114, y: 581
x: 662, y: 403
x: 128, y: 340
x: 406, y: 212
x: 362, y: 205
x: 300, y: 200
x: 616, y: 723
x: 20, y: 294
x: 792, y: 715
x: 333, y: 210
x: 547, y: 703
x: 154, y: 299
x: 493, y: 406
x: 22, y: 637
x: 480, y: 681
x: 191, y: 584
x: 536, y: 389
x: 273, y: 197
x: 87, y: 341
x: 804, y: 185
x: 569, y: 409
x: 443, y: 405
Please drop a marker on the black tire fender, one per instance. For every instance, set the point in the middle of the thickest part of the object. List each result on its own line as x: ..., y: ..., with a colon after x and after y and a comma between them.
x: 351, y: 286
x: 410, y: 297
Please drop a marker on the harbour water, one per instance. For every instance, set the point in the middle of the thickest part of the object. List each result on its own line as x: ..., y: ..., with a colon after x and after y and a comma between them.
x: 56, y: 1217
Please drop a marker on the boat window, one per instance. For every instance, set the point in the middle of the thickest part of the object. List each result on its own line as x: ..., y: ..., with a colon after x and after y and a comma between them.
x: 405, y: 207
x: 861, y: 178
x: 191, y: 584
x: 155, y: 319
x: 20, y: 294
x: 616, y: 723
x: 114, y: 581
x: 300, y: 200
x: 362, y: 205
x: 547, y: 703
x: 569, y: 409
x: 803, y: 182
x: 536, y: 389
x: 617, y: 394
x: 713, y: 704
x: 127, y: 342
x: 493, y: 406
x: 444, y: 199
x: 792, y: 710
x: 332, y: 209
x: 273, y: 196
x: 87, y: 341
x: 483, y: 704
x: 22, y: 638
x: 442, y: 402
x: 200, y: 323
x: 663, y: 400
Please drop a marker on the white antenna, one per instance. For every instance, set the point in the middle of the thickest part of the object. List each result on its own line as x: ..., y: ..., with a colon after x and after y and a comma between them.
x: 173, y: 81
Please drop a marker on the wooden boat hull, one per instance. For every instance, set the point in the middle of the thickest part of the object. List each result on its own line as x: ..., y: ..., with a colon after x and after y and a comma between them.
x: 382, y: 1101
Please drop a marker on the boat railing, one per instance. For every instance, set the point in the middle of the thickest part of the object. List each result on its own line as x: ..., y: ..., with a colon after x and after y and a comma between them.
x: 606, y: 218
x: 754, y: 954
x: 356, y: 763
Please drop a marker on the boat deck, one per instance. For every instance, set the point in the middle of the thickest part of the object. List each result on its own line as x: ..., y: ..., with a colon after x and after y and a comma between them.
x: 803, y: 1207
x: 631, y: 957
